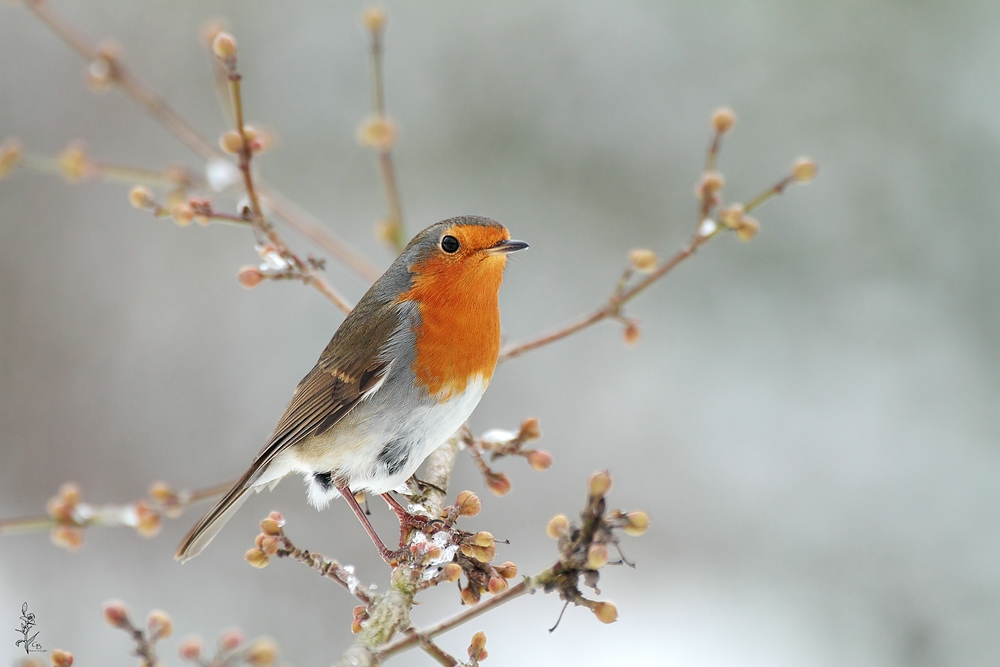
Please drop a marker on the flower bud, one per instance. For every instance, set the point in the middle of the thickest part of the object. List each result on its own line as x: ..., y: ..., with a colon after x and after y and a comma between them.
x: 262, y: 653
x: 631, y: 333
x: 269, y: 545
x: 642, y: 260
x: 483, y: 539
x: 60, y: 658
x: 360, y: 611
x: 147, y: 522
x: 529, y: 430
x: 747, y: 229
x: 605, y: 612
x: 73, y: 163
x: 638, y: 523
x: 162, y: 493
x: 468, y: 504
x: 182, y: 214
x: 498, y: 483
x: 69, y: 493
x: 723, y: 120
x: 250, y: 276
x: 10, y: 154
x: 540, y: 459
x: 470, y: 597
x: 804, y: 170
x: 100, y: 74
x: 597, y: 556
x: 731, y: 216
x: 379, y: 133
x: 116, y: 614
x: 452, y: 572
x: 67, y: 537
x: 224, y: 46
x: 190, y: 649
x: 558, y: 527
x: 600, y: 484
x: 140, y: 197
x: 159, y: 625
x: 479, y: 553
x: 256, y: 557
x: 507, y: 570
x: 711, y: 182
x: 356, y: 626
x: 478, y: 643
x: 374, y: 19
x: 497, y: 585
x: 276, y: 516
x: 230, y: 640
x: 269, y: 526
x: 231, y: 142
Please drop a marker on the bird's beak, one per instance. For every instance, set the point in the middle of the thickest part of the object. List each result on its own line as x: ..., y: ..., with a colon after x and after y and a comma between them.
x: 506, y: 247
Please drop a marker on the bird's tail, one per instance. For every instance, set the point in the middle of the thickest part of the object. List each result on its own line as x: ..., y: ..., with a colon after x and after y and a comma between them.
x: 210, y: 524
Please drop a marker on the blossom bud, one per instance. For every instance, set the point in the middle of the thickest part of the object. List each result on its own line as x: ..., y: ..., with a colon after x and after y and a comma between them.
x: 642, y: 260
x: 498, y: 483
x: 269, y: 526
x: 804, y: 170
x: 250, y: 276
x: 507, y: 570
x: 747, y: 229
x: 497, y: 585
x: 159, y: 624
x: 638, y: 523
x: 723, y: 120
x: 360, y: 611
x: 483, y: 539
x: 276, y: 516
x: 147, y: 521
x: 69, y: 493
x: 374, y: 19
x: 73, y: 163
x: 60, y: 658
x: 529, y: 430
x: 256, y: 557
x: 224, y: 46
x: 231, y: 141
x: 605, y: 612
x: 230, y: 640
x: 182, y: 214
x: 452, y: 572
x: 597, y: 556
x: 67, y: 537
x: 540, y: 459
x: 162, y: 493
x: 140, y: 197
x: 631, y: 333
x: 711, y: 182
x: 478, y: 643
x: 379, y: 133
x: 190, y: 649
x: 262, y: 653
x: 468, y: 504
x: 470, y: 597
x: 600, y: 484
x: 731, y: 216
x: 356, y: 625
x: 269, y: 545
x: 558, y: 527
x: 10, y: 154
x: 116, y: 614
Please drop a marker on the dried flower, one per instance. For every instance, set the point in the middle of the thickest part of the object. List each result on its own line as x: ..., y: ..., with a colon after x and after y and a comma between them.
x: 642, y: 260
x: 379, y: 133
x: 804, y: 170
x: 159, y: 624
x: 558, y: 527
x: 723, y: 120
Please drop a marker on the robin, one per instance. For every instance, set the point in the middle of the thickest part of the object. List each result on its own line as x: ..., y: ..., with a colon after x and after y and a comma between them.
x: 405, y: 369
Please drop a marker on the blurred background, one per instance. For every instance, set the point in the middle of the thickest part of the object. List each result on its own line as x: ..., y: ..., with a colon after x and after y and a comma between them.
x: 810, y: 419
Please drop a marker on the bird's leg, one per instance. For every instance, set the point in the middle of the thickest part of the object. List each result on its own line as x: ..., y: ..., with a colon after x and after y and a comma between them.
x: 391, y: 557
x: 406, y: 519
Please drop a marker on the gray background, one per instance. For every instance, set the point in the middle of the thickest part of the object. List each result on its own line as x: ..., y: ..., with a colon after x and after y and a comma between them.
x: 811, y: 419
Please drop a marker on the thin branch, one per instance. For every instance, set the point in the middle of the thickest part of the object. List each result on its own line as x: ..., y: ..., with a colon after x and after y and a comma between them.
x: 327, y: 567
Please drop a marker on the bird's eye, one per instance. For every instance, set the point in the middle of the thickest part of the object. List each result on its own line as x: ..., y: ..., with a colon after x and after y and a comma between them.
x: 449, y: 244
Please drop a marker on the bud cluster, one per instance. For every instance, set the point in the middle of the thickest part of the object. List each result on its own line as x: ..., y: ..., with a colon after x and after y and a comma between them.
x: 500, y: 443
x: 268, y: 542
x: 230, y: 650
x: 66, y: 510
x: 477, y: 649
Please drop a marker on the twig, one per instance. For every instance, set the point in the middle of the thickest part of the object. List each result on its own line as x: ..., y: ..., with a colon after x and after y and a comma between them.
x: 327, y: 567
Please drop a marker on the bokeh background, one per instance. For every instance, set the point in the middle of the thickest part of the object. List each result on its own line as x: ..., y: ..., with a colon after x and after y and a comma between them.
x: 811, y: 419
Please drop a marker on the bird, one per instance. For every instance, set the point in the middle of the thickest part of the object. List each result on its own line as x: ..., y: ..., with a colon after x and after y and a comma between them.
x: 402, y: 373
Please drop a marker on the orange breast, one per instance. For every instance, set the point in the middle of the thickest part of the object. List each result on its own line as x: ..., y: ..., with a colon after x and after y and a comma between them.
x: 459, y: 335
